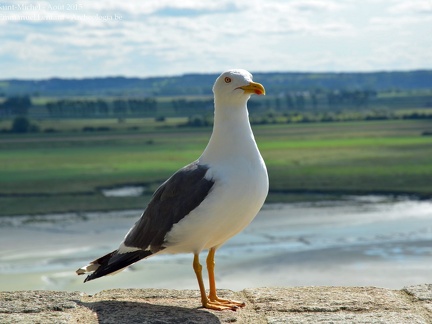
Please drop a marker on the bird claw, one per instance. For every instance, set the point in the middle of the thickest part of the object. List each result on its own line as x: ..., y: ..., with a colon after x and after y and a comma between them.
x: 217, y: 303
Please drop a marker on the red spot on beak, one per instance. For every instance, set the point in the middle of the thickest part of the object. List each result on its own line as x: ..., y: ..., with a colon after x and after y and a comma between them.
x: 258, y: 92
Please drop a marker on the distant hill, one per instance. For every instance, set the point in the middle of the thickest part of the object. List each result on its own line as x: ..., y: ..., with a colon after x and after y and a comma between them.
x: 200, y: 84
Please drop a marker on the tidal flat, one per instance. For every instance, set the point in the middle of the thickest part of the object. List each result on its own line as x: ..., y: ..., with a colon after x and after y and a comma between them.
x: 354, y: 241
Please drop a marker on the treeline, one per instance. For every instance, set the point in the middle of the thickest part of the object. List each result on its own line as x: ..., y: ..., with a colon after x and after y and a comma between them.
x: 101, y: 108
x: 317, y: 102
x: 122, y: 107
x: 274, y: 117
x: 297, y: 117
x: 180, y: 105
x: 356, y: 98
x: 15, y: 106
x: 319, y: 99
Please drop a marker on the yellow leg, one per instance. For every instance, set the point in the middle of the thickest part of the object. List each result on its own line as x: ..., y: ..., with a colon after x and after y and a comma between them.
x: 198, y: 272
x: 212, y: 282
x: 206, y: 303
x: 210, y: 269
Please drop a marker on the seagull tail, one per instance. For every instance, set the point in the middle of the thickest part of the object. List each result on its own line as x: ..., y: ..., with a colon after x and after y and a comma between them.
x: 112, y: 263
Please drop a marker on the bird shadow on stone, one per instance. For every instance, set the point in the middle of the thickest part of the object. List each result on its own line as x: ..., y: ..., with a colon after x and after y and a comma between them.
x: 113, y: 311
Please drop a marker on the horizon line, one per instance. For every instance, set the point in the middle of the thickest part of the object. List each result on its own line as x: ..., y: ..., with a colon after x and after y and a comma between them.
x: 216, y: 73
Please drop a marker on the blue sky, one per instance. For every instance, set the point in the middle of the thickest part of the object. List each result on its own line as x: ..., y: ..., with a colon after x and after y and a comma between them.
x: 84, y: 38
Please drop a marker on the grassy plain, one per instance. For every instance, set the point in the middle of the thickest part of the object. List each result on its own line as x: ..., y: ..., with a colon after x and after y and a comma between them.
x: 57, y: 172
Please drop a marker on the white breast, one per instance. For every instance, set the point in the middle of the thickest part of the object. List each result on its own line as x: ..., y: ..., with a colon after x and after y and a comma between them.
x: 234, y: 201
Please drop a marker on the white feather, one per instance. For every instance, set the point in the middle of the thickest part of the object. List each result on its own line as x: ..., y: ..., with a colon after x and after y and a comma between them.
x: 239, y: 172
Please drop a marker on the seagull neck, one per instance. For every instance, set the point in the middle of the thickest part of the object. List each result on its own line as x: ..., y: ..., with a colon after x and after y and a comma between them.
x: 232, y: 135
x: 238, y: 116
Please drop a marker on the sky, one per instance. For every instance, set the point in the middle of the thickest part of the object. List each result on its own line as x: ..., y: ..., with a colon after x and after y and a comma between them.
x: 142, y: 38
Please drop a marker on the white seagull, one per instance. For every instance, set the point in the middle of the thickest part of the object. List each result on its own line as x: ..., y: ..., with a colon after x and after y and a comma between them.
x: 208, y: 201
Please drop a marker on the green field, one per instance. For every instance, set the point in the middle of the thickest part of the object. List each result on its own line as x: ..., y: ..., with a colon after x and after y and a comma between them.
x: 56, y: 172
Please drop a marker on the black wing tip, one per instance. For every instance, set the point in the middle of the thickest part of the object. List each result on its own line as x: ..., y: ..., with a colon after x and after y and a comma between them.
x: 122, y: 261
x: 89, y: 278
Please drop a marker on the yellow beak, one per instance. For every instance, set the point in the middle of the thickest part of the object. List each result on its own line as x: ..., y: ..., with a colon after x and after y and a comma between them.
x: 254, y: 87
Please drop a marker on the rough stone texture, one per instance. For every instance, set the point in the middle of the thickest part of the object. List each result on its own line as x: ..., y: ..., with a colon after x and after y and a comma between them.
x: 420, y: 292
x: 264, y: 305
x: 422, y: 295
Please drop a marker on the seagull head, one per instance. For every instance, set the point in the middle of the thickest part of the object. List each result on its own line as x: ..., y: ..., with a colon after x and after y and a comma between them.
x: 236, y: 85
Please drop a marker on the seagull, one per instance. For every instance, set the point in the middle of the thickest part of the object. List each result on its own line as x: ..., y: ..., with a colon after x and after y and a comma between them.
x: 207, y: 202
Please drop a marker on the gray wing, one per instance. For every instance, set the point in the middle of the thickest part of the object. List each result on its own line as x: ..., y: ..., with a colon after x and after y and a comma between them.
x: 172, y: 201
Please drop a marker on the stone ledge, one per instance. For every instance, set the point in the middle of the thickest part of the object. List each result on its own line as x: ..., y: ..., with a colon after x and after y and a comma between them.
x: 264, y: 305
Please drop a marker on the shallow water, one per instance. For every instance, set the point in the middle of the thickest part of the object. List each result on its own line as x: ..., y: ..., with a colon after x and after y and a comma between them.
x: 127, y: 191
x: 366, y: 240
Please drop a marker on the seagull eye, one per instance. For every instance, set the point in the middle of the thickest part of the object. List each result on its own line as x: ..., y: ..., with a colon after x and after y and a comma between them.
x: 227, y: 80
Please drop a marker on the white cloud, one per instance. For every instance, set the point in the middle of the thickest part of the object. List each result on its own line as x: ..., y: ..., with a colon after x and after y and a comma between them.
x: 316, y: 6
x: 412, y: 7
x: 166, y: 37
x: 162, y: 7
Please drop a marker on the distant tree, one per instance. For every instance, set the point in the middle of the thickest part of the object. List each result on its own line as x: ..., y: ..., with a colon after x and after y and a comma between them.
x: 89, y: 108
x: 150, y: 104
x: 197, y: 106
x: 299, y: 101
x: 23, y: 125
x: 102, y: 107
x: 140, y: 106
x: 20, y: 125
x: 314, y: 99
x: 289, y: 101
x: 335, y: 98
x: 120, y: 107
x: 277, y: 103
x: 77, y: 108
x: 18, y: 105
x: 51, y: 107
x: 198, y: 121
x: 177, y: 104
x: 350, y: 98
x: 135, y: 106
